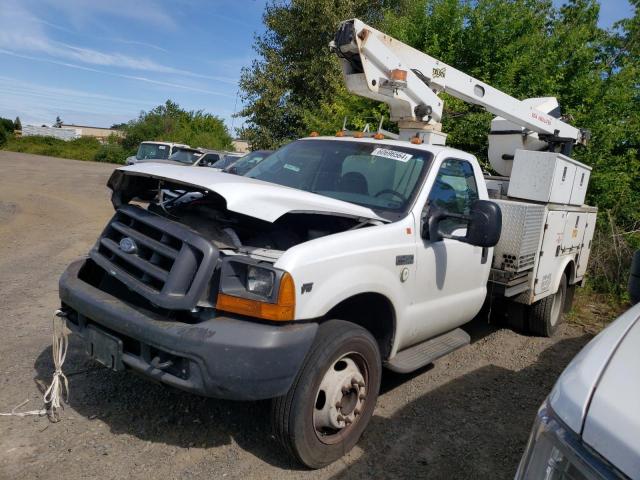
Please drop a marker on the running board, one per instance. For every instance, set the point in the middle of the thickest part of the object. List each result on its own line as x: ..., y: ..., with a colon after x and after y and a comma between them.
x: 427, y: 352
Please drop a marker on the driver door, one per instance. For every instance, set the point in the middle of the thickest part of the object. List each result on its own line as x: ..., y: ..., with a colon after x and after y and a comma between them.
x: 451, y: 276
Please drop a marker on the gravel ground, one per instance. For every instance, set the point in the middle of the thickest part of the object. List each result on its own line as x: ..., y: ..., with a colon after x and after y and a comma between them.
x: 467, y: 416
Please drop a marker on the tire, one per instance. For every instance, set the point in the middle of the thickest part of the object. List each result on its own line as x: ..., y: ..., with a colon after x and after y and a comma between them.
x: 545, y: 315
x: 634, y: 279
x: 307, y: 419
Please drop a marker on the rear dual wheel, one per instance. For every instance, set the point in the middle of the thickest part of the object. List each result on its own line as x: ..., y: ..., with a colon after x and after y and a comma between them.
x: 333, y: 397
x: 545, y: 315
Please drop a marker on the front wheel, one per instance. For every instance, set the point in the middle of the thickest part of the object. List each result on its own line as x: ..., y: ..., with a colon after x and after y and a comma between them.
x: 333, y: 397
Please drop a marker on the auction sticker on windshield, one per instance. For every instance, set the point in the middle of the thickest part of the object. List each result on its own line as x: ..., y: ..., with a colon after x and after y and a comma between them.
x: 392, y: 154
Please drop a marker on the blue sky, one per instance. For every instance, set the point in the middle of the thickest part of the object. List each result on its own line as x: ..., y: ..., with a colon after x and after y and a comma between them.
x: 99, y: 62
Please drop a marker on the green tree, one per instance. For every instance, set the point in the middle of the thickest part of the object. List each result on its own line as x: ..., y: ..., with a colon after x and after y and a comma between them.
x: 6, y: 124
x: 295, y: 74
x: 169, y: 122
x: 17, y: 124
x: 58, y: 122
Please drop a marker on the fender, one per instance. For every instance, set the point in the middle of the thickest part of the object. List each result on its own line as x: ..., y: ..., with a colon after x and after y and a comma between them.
x: 347, y: 283
x: 329, y: 270
x: 558, y: 275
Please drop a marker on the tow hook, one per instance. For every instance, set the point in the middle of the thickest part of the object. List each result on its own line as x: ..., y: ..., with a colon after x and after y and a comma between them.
x: 156, y: 363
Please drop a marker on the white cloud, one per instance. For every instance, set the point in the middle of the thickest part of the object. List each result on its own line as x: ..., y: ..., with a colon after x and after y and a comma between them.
x: 37, y: 103
x: 23, y: 32
x: 120, y: 75
x: 81, y: 12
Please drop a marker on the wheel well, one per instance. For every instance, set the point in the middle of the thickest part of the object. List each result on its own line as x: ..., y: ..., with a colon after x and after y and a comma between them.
x: 570, y: 272
x: 371, y: 311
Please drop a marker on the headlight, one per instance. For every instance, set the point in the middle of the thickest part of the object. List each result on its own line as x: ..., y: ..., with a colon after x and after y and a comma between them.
x: 260, y: 281
x: 555, y: 452
x: 255, y: 289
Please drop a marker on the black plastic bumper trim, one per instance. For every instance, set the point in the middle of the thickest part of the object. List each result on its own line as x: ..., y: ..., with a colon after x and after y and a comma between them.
x: 227, y: 357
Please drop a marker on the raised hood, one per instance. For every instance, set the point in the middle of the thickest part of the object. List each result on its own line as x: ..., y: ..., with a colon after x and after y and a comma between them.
x: 247, y: 196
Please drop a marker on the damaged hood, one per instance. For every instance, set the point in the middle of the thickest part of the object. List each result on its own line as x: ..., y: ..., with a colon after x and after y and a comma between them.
x: 247, y: 196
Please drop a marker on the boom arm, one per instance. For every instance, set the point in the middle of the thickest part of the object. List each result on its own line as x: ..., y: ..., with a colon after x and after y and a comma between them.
x: 382, y: 68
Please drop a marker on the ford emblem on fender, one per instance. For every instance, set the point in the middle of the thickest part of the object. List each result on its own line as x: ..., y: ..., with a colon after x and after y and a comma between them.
x: 127, y: 245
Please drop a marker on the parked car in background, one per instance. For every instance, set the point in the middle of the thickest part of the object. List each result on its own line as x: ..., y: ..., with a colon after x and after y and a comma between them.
x: 182, y: 155
x: 227, y: 160
x: 210, y: 157
x: 186, y: 156
x: 589, y: 426
x: 246, y: 163
x: 154, y: 151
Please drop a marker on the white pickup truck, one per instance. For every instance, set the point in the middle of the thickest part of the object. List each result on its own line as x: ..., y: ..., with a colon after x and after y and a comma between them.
x: 299, y: 281
x: 332, y: 258
x: 589, y: 425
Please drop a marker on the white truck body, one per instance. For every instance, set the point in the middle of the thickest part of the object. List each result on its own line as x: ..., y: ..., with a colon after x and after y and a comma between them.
x: 442, y: 286
x: 339, y: 254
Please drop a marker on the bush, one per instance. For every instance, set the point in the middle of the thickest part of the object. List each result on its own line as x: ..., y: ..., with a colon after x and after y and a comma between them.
x: 3, y: 137
x: 611, y: 252
x: 78, y: 149
x: 170, y: 122
x: 111, y: 153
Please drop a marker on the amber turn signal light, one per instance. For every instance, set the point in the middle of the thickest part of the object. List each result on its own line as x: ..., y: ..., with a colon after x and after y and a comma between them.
x: 314, y: 134
x: 398, y: 75
x: 282, y: 311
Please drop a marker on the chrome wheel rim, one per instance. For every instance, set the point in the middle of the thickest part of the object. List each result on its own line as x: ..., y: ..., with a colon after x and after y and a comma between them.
x: 340, y: 398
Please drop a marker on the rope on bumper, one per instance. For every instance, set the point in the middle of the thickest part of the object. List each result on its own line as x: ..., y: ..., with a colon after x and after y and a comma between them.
x: 59, y: 388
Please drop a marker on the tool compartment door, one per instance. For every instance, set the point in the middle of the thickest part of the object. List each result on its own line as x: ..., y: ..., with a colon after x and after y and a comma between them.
x: 574, y: 232
x: 585, y: 251
x: 551, y: 251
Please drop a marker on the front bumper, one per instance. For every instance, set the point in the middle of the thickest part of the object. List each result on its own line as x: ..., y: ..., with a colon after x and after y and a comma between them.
x: 224, y: 357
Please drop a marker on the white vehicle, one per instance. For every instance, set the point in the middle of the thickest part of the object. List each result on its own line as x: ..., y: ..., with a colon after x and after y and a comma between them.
x: 154, y: 151
x: 335, y: 256
x: 589, y: 426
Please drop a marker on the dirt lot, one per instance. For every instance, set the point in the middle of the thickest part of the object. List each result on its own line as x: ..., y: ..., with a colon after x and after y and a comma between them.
x: 468, y: 416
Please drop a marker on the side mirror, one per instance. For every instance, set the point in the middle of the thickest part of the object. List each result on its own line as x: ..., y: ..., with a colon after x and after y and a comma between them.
x: 484, y: 224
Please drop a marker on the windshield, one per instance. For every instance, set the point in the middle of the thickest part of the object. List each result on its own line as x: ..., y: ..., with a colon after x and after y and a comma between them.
x: 209, y: 159
x: 152, y: 151
x: 184, y: 155
x: 381, y: 177
x: 226, y: 161
x: 247, y: 162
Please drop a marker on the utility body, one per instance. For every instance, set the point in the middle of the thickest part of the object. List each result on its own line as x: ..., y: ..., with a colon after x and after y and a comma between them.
x: 333, y: 257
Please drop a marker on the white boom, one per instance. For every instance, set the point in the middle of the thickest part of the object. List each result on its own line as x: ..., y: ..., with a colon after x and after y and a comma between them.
x: 382, y: 68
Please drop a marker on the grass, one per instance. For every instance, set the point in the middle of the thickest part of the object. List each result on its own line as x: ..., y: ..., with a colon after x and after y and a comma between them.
x: 78, y: 149
x: 593, y: 311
